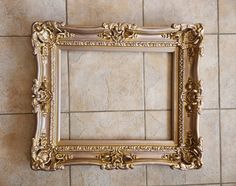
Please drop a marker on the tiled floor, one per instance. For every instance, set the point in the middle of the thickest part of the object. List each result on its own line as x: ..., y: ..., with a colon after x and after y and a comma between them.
x: 217, y: 70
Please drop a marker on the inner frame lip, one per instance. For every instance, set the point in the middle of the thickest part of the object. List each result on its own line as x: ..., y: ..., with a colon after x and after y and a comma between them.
x: 173, y: 142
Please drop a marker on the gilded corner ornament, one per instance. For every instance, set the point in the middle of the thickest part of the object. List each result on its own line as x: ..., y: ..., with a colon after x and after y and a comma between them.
x: 45, y: 156
x: 41, y: 96
x: 193, y: 97
x: 44, y: 35
x: 118, y: 32
x: 188, y: 37
x: 188, y: 156
x: 116, y: 159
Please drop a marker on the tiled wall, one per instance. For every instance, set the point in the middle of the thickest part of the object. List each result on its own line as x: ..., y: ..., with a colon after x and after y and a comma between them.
x: 217, y: 70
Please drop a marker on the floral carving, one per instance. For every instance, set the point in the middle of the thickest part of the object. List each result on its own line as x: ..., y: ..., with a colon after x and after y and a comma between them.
x: 188, y: 36
x: 47, y: 40
x: 44, y: 35
x: 45, y: 156
x: 193, y: 96
x: 41, y: 96
x: 116, y: 159
x: 188, y: 156
x: 118, y: 32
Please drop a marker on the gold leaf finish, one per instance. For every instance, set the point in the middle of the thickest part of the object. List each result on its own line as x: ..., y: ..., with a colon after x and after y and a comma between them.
x: 183, y: 151
x: 41, y: 96
x: 45, y: 156
x: 116, y: 159
x: 118, y: 32
x: 193, y: 97
x: 188, y: 156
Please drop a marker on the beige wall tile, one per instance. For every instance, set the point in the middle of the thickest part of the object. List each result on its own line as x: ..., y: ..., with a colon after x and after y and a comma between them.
x: 107, y: 125
x: 106, y: 81
x: 228, y: 127
x: 17, y: 71
x: 162, y: 12
x: 227, y: 71
x: 229, y: 184
x: 158, y: 73
x: 158, y: 125
x: 207, y: 185
x: 208, y: 71
x: 64, y: 126
x: 16, y: 132
x: 16, y: 17
x: 93, y: 176
x: 209, y: 173
x: 64, y: 83
x: 227, y: 16
x: 89, y: 12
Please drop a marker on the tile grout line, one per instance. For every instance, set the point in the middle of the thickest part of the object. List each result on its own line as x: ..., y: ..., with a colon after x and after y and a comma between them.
x: 219, y: 98
x: 66, y: 11
x: 16, y: 113
x: 149, y: 110
x: 144, y: 97
x: 68, y: 70
x: 203, y: 184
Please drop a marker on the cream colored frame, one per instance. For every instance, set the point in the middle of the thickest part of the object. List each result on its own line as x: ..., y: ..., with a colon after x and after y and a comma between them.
x: 183, y: 152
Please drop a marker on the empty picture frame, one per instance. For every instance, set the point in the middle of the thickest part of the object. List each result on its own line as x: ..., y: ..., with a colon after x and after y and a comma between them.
x: 183, y: 151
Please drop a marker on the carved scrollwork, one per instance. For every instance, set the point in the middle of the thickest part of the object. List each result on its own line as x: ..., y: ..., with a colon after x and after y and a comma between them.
x: 44, y: 35
x: 116, y: 159
x: 188, y: 36
x: 188, y: 156
x: 193, y: 97
x: 41, y: 96
x: 118, y: 32
x: 45, y: 156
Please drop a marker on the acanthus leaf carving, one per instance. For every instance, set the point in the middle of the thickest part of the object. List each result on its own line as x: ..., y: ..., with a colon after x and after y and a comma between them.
x: 188, y: 156
x: 116, y: 159
x: 41, y: 96
x: 118, y: 32
x: 45, y: 156
x: 193, y: 97
x: 44, y: 35
x: 188, y: 36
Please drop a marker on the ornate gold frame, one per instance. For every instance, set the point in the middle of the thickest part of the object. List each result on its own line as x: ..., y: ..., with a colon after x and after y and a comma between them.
x: 183, y: 152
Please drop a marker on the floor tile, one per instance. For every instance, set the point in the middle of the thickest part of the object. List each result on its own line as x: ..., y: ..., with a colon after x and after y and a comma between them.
x: 106, y: 81
x: 227, y: 16
x: 16, y: 132
x: 209, y: 173
x: 208, y: 72
x: 227, y: 71
x: 158, y: 80
x: 228, y: 128
x: 64, y: 83
x: 229, y: 184
x: 94, y: 13
x: 107, y: 125
x: 18, y: 69
x: 16, y: 17
x: 166, y: 12
x: 64, y: 126
x: 158, y: 125
x: 97, y: 177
